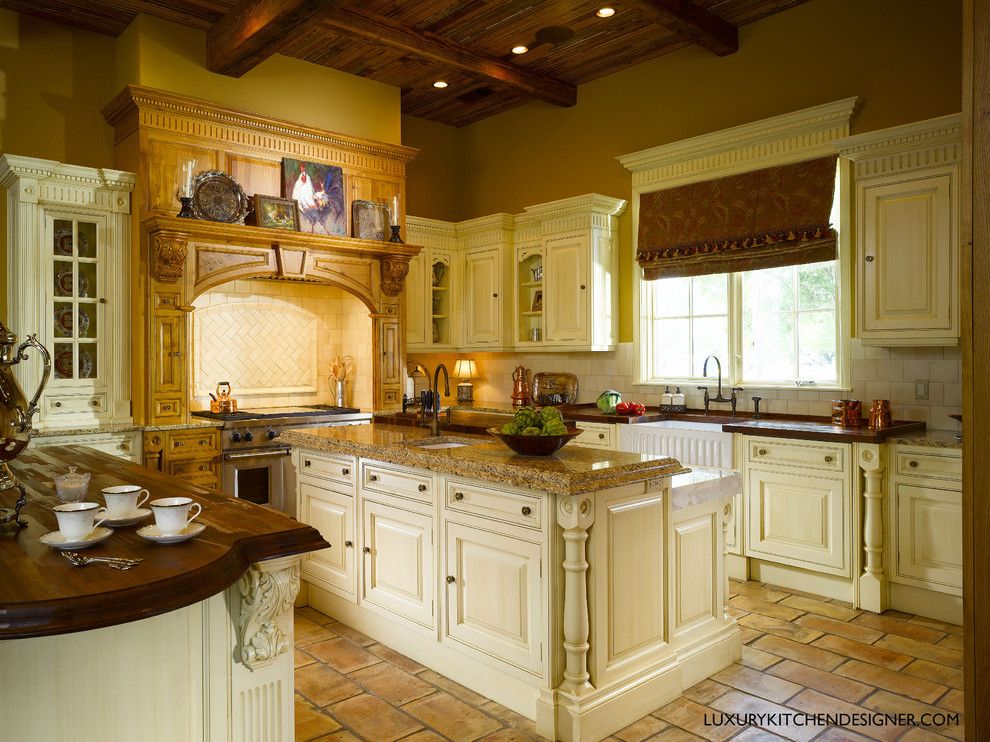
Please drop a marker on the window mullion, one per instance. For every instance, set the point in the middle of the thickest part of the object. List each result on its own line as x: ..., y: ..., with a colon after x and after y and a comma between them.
x: 734, y: 326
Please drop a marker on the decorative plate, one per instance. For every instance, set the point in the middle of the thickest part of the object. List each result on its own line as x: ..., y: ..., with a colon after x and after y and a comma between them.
x: 218, y: 198
x: 63, y: 321
x: 85, y: 364
x: 369, y: 219
x: 63, y: 282
x: 439, y: 270
x: 63, y: 364
x: 551, y: 388
x: 63, y: 241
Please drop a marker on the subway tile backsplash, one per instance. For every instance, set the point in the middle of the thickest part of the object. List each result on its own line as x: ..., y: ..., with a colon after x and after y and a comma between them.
x: 877, y: 373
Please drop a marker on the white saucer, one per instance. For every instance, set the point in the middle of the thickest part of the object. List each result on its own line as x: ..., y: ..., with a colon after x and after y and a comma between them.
x: 129, y: 520
x: 56, y: 540
x: 153, y: 534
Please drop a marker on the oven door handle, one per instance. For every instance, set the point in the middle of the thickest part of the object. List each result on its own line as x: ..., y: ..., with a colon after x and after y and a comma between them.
x: 255, y: 454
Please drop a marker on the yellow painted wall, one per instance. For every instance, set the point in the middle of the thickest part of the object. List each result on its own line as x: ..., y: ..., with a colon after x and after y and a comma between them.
x: 902, y: 57
x: 436, y: 171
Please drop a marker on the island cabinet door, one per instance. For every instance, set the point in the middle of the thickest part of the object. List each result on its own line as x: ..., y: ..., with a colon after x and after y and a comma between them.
x: 696, y: 572
x: 493, y: 601
x: 398, y: 562
x: 926, y: 536
x: 332, y: 514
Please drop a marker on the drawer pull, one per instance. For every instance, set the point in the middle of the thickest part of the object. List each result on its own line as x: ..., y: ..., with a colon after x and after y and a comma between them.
x: 58, y: 404
x: 762, y: 452
x: 458, y: 495
x: 204, y: 442
x: 204, y: 467
x: 913, y: 464
x: 307, y: 462
x: 125, y: 447
x: 348, y: 544
x: 601, y: 436
x: 451, y: 579
x: 179, y: 443
x: 345, y: 471
x: 527, y: 510
x: 366, y: 549
x: 828, y: 459
x: 372, y: 477
x: 422, y: 488
x: 95, y: 403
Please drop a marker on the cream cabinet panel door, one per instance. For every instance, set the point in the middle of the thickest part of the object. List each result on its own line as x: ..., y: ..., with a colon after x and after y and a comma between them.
x: 928, y: 540
x: 906, y: 259
x: 482, y: 298
x: 799, y: 520
x: 696, y: 554
x: 566, y: 280
x: 493, y: 599
x: 398, y: 562
x: 332, y: 514
x: 417, y: 302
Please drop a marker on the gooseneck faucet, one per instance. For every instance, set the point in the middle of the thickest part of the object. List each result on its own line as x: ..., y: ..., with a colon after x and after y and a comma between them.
x: 435, y: 420
x: 719, y: 397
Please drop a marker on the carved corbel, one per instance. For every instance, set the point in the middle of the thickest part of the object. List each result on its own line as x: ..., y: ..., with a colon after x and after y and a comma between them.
x: 394, y: 272
x: 169, y: 257
x: 268, y: 589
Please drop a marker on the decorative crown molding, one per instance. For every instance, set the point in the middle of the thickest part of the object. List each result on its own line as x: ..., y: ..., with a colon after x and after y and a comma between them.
x: 13, y: 167
x: 928, y: 143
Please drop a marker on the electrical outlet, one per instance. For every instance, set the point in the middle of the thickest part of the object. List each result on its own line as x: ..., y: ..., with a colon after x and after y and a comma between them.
x: 921, y: 389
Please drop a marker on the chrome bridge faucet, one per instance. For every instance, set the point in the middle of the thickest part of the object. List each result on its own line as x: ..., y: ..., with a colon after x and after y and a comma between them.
x: 719, y: 397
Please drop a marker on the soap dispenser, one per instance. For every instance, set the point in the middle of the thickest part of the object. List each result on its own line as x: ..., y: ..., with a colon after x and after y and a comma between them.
x: 677, y: 398
x: 665, y: 398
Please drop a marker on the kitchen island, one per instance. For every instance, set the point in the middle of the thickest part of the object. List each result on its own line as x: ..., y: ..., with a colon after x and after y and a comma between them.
x: 192, y: 644
x: 581, y: 590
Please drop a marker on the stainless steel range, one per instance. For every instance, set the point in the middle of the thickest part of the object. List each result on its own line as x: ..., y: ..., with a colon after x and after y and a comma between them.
x: 256, y: 464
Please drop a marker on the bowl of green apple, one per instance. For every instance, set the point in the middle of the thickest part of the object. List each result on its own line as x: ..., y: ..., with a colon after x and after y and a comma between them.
x: 532, y: 433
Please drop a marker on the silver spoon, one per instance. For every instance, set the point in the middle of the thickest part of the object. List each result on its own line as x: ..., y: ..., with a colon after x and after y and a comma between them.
x: 79, y: 560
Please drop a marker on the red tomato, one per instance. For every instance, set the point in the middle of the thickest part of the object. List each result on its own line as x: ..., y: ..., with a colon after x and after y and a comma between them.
x: 622, y: 408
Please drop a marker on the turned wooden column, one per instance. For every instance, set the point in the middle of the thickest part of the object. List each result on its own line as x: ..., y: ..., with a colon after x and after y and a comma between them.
x: 575, y: 515
x: 727, y: 513
x: 871, y: 459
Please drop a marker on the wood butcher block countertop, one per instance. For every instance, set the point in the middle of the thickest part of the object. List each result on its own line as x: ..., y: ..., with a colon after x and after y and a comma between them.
x: 42, y: 594
x: 815, y: 430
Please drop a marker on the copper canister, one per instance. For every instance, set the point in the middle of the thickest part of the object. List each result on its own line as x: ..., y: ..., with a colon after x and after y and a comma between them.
x: 880, y: 414
x: 853, y: 413
x: 838, y: 412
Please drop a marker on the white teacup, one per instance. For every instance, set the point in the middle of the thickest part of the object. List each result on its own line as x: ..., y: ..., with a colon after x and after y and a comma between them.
x: 172, y: 513
x: 122, y: 500
x: 76, y: 520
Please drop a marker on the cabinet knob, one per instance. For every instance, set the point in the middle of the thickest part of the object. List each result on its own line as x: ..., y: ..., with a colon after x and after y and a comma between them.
x: 348, y: 544
x: 601, y: 436
x: 762, y: 452
x: 451, y: 579
x: 102, y: 300
x: 204, y: 441
x: 869, y: 258
x: 176, y: 354
x: 307, y: 462
x: 58, y: 404
x: 458, y: 495
x: 422, y: 488
x: 829, y: 459
x: 372, y: 477
x: 366, y: 549
x: 125, y: 446
x: 582, y: 287
x: 913, y: 464
x: 527, y: 510
x: 345, y: 471
x: 494, y: 296
x: 179, y: 443
x: 204, y: 467
x: 95, y: 403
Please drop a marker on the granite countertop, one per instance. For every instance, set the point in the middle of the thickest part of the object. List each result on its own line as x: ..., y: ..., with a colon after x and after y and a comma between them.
x: 929, y: 438
x: 703, y: 484
x: 98, y: 429
x: 572, y: 470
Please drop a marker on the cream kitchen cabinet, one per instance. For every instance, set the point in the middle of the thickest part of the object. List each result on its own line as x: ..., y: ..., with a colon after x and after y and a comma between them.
x: 332, y: 513
x: 907, y: 233
x: 124, y: 445
x: 483, y: 299
x: 432, y: 316
x: 68, y: 237
x: 597, y: 435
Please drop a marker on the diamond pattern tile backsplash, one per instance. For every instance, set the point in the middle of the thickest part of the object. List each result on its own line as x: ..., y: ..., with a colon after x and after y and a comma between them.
x: 274, y: 340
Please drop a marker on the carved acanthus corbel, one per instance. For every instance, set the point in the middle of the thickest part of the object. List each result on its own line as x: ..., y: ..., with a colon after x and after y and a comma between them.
x: 169, y: 256
x: 268, y: 590
x: 394, y: 271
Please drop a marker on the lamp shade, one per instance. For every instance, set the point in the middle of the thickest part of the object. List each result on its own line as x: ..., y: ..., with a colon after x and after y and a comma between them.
x: 465, y: 369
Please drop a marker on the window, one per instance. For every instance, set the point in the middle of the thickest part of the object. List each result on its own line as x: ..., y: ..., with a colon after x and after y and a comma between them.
x: 774, y: 327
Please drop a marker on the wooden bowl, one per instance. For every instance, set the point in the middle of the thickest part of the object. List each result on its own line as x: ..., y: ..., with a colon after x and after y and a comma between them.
x: 535, y: 445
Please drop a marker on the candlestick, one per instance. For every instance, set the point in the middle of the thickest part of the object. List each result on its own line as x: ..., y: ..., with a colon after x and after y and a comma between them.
x: 395, y: 234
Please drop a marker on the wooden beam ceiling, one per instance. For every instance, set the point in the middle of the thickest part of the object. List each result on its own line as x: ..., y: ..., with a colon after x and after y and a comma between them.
x: 703, y: 28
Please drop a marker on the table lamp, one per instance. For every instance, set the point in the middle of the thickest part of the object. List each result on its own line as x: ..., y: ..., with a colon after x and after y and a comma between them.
x: 465, y: 369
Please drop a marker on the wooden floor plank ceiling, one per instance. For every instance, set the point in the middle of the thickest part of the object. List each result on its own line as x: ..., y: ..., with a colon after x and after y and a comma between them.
x: 411, y: 45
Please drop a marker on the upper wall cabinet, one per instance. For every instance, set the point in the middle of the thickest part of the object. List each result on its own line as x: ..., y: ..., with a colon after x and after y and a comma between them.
x: 68, y: 238
x: 907, y: 232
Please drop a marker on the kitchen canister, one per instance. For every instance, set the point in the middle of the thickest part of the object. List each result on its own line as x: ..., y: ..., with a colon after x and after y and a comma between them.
x: 880, y: 414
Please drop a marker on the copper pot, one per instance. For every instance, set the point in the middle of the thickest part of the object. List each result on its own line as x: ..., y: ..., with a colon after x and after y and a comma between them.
x: 880, y: 414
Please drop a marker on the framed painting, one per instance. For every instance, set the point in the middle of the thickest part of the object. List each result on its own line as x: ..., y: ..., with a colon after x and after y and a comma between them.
x: 276, y: 213
x: 319, y: 191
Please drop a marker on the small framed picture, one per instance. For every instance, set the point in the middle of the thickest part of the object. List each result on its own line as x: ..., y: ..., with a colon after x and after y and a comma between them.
x: 538, y: 301
x: 276, y: 213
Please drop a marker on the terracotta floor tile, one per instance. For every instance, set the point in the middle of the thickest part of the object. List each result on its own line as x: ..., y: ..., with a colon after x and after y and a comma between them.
x: 848, y: 629
x: 826, y: 682
x: 736, y: 702
x: 504, y: 735
x: 952, y: 641
x: 756, y: 590
x: 342, y: 654
x: 922, y: 735
x: 705, y: 691
x: 835, y: 734
x: 311, y: 614
x: 890, y: 625
x: 786, y: 629
x: 757, y: 658
x: 642, y: 729
x: 953, y: 701
x: 757, y: 683
x: 374, y: 719
x: 764, y: 607
x: 510, y: 717
x: 301, y: 659
x: 949, y: 628
x: 673, y: 734
x: 455, y: 689
x: 813, y: 702
x: 307, y: 632
x: 452, y: 717
x: 923, y: 650
x: 887, y: 702
x: 396, y: 686
x: 400, y: 660
x: 820, y: 607
x: 799, y: 593
x: 746, y: 634
x: 311, y: 722
x: 690, y: 716
x: 342, y: 736
x: 803, y: 653
x: 353, y: 634
x: 898, y: 682
x: 754, y: 734
x: 735, y: 613
x: 424, y: 735
x: 949, y: 676
x: 321, y: 685
x: 884, y: 656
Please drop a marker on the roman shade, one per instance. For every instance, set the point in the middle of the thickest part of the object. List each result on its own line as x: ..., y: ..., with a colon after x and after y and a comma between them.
x: 761, y: 219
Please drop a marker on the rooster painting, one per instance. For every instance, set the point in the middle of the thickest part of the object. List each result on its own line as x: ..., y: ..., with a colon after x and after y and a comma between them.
x: 319, y: 189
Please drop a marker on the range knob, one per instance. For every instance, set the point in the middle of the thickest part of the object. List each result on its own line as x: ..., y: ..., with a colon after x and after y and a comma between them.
x: 235, y: 437
x: 271, y: 434
x: 248, y: 436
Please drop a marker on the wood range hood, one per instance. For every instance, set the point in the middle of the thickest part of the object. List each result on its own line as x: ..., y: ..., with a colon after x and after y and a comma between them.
x: 177, y: 259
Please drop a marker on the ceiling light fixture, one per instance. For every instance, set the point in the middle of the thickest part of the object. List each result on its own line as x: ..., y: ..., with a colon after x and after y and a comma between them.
x: 439, y: 84
x: 605, y: 12
x: 520, y: 49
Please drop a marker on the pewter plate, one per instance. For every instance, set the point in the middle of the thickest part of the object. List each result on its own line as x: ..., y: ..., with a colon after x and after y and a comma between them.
x: 219, y: 198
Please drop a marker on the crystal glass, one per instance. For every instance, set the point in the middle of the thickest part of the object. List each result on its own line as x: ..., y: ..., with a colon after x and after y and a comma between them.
x: 72, y: 486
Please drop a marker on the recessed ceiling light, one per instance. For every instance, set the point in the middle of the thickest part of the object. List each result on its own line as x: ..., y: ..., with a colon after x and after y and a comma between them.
x: 439, y: 84
x: 520, y: 49
x: 605, y: 12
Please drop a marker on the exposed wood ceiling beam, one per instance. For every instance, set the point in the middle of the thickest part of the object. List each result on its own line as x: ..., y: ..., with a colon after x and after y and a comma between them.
x: 425, y: 45
x: 254, y: 30
x: 703, y: 28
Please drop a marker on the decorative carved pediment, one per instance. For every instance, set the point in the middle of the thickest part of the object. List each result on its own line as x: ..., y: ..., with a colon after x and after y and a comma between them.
x: 394, y: 272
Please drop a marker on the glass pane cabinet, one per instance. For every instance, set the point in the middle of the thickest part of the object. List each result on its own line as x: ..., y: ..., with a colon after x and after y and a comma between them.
x: 529, y: 290
x: 440, y: 299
